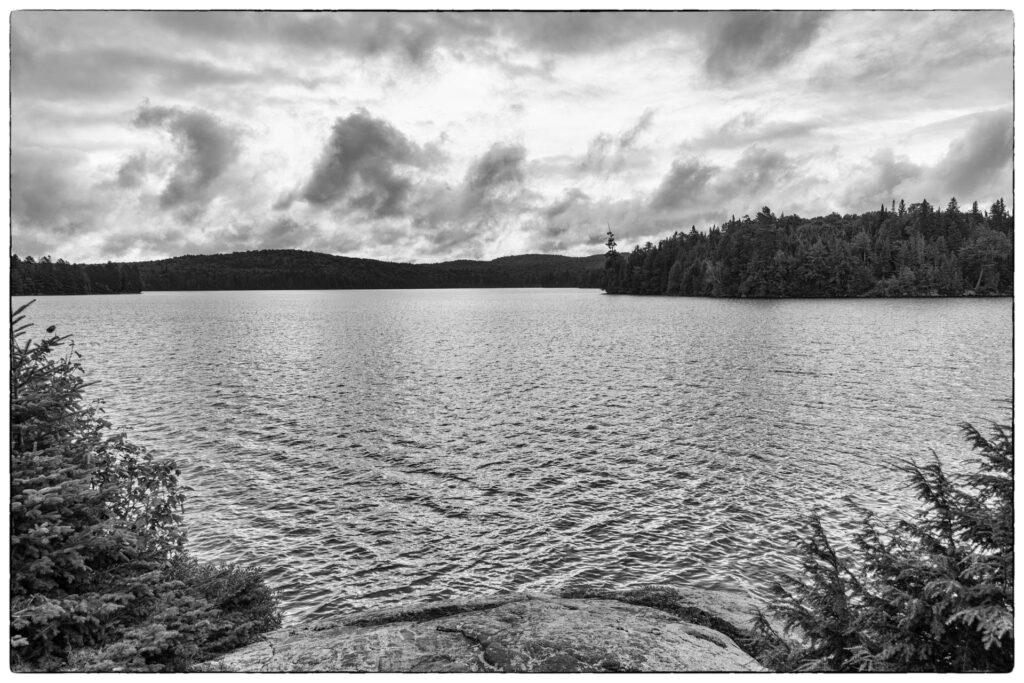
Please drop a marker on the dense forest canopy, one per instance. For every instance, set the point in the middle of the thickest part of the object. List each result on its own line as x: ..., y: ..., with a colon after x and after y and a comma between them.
x: 916, y: 250
x: 30, y: 277
x: 290, y: 269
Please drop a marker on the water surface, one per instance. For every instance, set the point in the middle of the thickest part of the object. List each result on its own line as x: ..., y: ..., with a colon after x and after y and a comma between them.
x: 370, y: 448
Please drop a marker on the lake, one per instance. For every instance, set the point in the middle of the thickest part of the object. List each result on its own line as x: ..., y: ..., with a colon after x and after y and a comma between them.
x: 370, y: 448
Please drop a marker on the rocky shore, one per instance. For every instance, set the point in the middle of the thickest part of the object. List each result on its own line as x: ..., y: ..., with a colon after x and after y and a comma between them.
x: 583, y: 631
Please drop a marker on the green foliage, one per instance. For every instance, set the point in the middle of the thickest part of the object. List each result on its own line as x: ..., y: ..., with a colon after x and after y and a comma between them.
x: 935, y: 594
x: 100, y: 580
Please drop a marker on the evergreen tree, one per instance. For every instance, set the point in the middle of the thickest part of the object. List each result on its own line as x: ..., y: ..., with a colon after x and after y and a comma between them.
x: 99, y: 576
x: 933, y: 594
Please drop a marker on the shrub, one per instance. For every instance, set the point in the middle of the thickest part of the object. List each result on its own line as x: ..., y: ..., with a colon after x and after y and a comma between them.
x: 100, y: 579
x: 935, y: 594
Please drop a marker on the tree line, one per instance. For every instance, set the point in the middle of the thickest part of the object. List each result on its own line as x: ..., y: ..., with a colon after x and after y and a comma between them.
x: 46, y: 276
x: 916, y: 250
x: 292, y: 269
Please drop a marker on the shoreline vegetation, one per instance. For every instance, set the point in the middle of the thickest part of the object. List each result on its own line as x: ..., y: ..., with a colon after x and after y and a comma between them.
x: 900, y: 251
x: 290, y: 269
x: 100, y: 577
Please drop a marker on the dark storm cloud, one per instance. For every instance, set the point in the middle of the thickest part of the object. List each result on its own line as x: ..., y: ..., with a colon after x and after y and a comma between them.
x: 750, y: 42
x: 607, y: 154
x: 685, y: 183
x: 205, y: 146
x: 975, y: 160
x: 359, y: 165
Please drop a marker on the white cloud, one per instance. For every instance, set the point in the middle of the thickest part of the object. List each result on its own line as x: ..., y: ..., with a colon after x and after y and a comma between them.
x: 497, y: 131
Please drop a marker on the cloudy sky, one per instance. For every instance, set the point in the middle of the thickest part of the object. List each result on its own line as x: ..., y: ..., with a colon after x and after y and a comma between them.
x: 432, y: 136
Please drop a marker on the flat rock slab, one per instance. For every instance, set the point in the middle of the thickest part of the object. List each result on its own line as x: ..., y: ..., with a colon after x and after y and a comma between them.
x: 517, y: 633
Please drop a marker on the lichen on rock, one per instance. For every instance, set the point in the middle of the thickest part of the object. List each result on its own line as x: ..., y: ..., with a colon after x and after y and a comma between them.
x: 519, y: 632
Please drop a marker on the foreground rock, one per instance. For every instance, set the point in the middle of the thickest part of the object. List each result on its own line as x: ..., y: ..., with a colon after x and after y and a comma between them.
x: 519, y: 632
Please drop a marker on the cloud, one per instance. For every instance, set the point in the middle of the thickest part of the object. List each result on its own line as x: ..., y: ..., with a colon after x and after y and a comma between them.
x: 99, y: 73
x: 757, y: 168
x: 416, y: 37
x: 491, y: 197
x: 571, y: 198
x: 205, y: 147
x: 586, y: 32
x: 980, y: 159
x: 900, y: 61
x: 412, y: 36
x: 234, y: 235
x: 751, y: 126
x: 500, y: 168
x: 750, y: 42
x: 693, y: 192
x: 607, y: 154
x: 876, y: 180
x: 753, y: 108
x: 684, y: 183
x: 359, y: 164
x: 132, y: 171
x: 584, y: 223
x: 976, y: 166
x: 47, y: 191
x: 557, y: 225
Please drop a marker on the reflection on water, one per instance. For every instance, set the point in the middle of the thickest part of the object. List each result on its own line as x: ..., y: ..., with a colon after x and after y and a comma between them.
x: 373, y: 447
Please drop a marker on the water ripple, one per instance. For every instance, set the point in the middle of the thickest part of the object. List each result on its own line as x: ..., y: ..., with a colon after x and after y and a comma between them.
x: 371, y: 448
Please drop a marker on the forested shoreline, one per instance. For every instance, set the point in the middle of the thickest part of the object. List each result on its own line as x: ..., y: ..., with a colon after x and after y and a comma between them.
x: 901, y: 251
x: 292, y: 269
x: 30, y: 277
x: 916, y: 250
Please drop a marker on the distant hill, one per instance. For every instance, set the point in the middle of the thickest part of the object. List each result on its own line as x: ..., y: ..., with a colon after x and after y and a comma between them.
x: 292, y: 269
